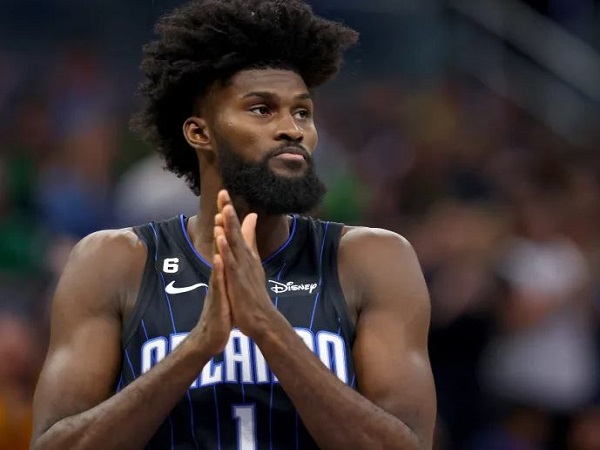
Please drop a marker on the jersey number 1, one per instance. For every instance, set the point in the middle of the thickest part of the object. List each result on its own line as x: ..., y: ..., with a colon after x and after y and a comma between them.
x: 246, y: 426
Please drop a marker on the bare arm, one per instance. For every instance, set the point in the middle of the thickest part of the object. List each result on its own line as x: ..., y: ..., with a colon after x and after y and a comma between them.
x: 395, y: 408
x: 74, y: 405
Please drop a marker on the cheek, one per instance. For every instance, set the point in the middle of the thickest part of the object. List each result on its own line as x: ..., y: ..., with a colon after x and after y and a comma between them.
x: 247, y: 140
x: 239, y: 132
x: 311, y: 138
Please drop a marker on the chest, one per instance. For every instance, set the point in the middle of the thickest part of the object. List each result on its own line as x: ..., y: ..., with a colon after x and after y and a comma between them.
x: 301, y: 292
x: 173, y: 303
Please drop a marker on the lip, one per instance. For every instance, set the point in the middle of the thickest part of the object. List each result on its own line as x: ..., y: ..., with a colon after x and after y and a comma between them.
x: 291, y: 153
x: 290, y: 156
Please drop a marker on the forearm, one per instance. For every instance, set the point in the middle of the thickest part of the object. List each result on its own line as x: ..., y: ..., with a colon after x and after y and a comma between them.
x: 129, y: 418
x: 336, y: 416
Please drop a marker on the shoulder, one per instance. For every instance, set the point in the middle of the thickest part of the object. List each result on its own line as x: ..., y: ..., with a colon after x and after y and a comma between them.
x: 106, y: 264
x: 374, y: 238
x: 108, y: 249
x: 362, y: 246
x: 379, y: 264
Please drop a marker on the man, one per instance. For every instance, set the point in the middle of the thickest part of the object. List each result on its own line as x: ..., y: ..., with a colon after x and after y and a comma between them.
x: 278, y: 332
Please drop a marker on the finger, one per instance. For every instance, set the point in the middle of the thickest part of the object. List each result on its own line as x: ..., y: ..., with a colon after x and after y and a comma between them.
x: 249, y: 231
x: 229, y: 268
x: 219, y: 285
x: 225, y: 196
x: 223, y: 199
x: 219, y: 219
x: 230, y: 217
x: 226, y: 254
x: 218, y: 231
x: 217, y: 269
x: 233, y: 231
x: 218, y: 275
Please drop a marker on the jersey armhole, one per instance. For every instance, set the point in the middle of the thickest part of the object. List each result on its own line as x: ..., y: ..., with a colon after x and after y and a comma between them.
x: 338, y: 298
x: 143, y: 296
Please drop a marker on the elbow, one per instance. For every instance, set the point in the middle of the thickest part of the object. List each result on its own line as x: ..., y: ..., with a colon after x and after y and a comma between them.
x: 37, y: 440
x: 40, y: 442
x: 405, y: 439
x: 422, y: 443
x: 53, y: 440
x: 41, y: 438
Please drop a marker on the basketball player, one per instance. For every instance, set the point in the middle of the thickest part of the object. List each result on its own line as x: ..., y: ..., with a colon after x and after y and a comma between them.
x: 247, y: 326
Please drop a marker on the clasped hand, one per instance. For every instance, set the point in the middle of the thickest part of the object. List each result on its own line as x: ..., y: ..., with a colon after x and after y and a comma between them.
x: 237, y: 293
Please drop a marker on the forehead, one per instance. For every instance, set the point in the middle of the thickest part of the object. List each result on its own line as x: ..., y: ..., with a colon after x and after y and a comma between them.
x: 283, y: 83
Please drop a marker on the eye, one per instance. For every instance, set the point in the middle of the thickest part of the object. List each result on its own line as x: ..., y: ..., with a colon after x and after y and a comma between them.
x: 302, y: 114
x: 260, y: 110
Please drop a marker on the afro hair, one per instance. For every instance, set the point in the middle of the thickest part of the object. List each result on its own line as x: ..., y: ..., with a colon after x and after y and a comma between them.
x: 209, y: 40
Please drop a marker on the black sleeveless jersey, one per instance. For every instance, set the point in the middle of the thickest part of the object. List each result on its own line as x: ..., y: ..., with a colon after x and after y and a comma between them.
x: 236, y: 402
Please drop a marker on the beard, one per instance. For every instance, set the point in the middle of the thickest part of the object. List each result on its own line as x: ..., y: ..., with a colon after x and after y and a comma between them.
x: 265, y: 191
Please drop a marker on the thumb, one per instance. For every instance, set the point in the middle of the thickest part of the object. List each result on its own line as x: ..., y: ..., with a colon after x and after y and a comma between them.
x: 218, y: 283
x: 249, y: 231
x: 217, y: 276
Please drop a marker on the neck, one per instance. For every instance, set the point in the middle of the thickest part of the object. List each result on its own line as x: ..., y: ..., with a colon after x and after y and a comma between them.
x: 272, y: 231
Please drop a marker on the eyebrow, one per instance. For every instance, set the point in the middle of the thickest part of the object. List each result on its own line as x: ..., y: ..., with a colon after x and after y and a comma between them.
x: 272, y: 96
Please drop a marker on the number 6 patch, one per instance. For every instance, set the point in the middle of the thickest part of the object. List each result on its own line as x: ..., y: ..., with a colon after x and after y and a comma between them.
x: 171, y: 265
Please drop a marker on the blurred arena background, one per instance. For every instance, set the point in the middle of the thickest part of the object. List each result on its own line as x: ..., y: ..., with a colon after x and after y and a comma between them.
x: 472, y: 127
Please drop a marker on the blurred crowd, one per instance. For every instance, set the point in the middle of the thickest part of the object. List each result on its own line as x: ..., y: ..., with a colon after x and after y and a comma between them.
x: 504, y: 216
x: 503, y: 212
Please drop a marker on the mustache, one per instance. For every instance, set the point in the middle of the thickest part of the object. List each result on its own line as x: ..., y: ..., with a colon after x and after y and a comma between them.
x: 293, y: 148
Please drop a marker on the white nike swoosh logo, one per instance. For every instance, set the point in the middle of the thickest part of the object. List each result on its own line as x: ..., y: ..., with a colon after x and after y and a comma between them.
x: 171, y: 289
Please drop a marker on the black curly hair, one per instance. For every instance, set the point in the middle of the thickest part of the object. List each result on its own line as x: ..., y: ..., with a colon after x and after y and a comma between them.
x: 208, y: 40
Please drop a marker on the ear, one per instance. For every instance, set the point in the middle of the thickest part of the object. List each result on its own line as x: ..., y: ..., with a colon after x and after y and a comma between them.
x: 196, y: 133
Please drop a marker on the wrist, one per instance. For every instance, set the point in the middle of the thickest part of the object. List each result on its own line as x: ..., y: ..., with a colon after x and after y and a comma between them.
x: 268, y: 328
x: 199, y: 343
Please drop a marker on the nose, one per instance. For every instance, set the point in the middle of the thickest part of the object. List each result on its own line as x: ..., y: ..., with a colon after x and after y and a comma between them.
x: 288, y: 130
